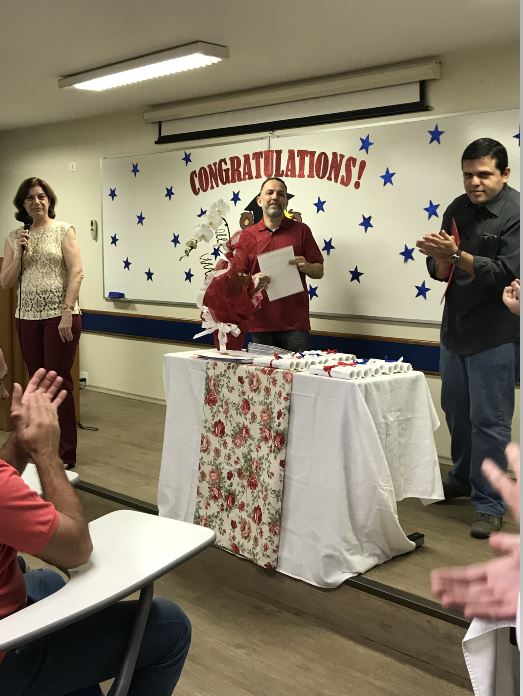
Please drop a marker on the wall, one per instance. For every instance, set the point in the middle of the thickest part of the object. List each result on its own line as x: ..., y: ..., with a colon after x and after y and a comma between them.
x: 483, y: 80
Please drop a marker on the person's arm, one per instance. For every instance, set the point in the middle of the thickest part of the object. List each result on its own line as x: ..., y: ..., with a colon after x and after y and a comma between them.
x: 313, y: 270
x: 498, y: 272
x: 10, y: 265
x: 75, y: 274
x: 311, y: 263
x: 35, y: 418
x: 71, y: 545
x: 244, y: 261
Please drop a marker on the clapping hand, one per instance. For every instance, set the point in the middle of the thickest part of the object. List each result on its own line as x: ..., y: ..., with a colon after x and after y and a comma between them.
x: 34, y: 413
x: 490, y: 589
x: 511, y: 296
x: 438, y: 245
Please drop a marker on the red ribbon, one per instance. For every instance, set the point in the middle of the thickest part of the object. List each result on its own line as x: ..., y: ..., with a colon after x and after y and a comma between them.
x: 328, y: 368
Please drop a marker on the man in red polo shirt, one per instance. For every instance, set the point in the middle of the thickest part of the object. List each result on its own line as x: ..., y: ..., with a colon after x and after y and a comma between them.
x: 285, y: 322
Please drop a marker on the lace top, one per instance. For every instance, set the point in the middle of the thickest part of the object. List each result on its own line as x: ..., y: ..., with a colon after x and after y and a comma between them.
x: 44, y: 277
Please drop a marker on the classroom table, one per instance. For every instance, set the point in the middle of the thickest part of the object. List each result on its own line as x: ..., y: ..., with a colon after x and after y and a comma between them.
x: 354, y: 448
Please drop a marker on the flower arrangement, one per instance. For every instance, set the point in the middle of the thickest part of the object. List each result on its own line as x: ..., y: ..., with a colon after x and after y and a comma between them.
x: 228, y: 297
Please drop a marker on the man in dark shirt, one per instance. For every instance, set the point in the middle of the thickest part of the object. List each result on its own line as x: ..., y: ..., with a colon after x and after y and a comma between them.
x: 479, y: 335
x: 284, y: 322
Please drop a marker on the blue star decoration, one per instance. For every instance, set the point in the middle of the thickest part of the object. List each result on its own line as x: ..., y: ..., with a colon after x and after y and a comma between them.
x: 235, y: 198
x: 127, y: 264
x: 355, y: 274
x: 135, y: 169
x: 517, y: 136
x: 216, y: 252
x: 435, y: 135
x: 112, y: 193
x: 189, y: 275
x: 169, y: 193
x: 149, y: 274
x: 387, y: 177
x: 186, y: 157
x: 319, y: 205
x: 422, y: 290
x: 328, y: 246
x: 432, y: 210
x: 175, y: 240
x: 313, y: 291
x: 201, y: 213
x: 366, y: 143
x: 140, y: 218
x: 407, y: 253
x: 366, y: 222
x: 114, y: 240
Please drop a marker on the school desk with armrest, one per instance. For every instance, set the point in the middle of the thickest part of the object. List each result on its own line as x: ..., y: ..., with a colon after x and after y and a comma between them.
x: 130, y: 551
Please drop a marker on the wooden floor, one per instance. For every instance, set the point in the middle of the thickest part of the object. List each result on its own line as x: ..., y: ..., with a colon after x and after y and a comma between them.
x: 124, y: 455
x: 244, y: 646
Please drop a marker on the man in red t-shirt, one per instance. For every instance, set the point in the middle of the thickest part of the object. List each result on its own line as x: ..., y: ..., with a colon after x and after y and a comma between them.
x: 74, y: 659
x: 285, y: 322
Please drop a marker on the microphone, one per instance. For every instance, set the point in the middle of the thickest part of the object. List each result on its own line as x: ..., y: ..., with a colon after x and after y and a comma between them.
x: 27, y: 226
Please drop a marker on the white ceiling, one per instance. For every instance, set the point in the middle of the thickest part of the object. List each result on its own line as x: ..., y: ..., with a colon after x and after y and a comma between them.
x: 270, y: 41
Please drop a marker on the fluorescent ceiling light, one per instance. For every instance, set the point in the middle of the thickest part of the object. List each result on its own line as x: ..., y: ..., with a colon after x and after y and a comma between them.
x: 173, y: 60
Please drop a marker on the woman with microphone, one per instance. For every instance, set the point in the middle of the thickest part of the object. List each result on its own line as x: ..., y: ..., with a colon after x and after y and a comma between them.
x: 43, y: 257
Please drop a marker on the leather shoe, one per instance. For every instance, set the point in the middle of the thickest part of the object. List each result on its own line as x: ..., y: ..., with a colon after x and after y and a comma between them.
x: 484, y: 524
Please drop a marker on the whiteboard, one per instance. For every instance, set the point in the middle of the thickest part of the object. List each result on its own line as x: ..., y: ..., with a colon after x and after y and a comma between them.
x: 368, y: 192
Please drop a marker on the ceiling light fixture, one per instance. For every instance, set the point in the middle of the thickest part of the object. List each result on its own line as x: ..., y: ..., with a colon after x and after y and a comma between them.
x: 173, y: 60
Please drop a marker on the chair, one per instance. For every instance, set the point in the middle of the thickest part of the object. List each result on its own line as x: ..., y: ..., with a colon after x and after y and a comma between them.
x: 131, y: 550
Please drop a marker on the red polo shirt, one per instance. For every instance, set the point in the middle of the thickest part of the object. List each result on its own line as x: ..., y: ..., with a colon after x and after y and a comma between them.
x: 27, y: 523
x: 288, y: 313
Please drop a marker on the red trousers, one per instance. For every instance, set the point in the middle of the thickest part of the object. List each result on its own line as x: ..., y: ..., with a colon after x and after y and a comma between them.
x: 42, y: 347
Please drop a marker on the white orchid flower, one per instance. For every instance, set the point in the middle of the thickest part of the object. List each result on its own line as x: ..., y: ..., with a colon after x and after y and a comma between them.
x: 203, y: 232
x: 220, y: 208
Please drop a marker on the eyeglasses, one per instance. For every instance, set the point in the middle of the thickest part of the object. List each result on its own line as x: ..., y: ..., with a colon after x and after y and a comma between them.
x: 34, y: 197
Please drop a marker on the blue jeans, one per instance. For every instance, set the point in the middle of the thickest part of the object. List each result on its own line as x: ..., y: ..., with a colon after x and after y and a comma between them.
x: 294, y: 341
x: 74, y: 660
x: 477, y: 396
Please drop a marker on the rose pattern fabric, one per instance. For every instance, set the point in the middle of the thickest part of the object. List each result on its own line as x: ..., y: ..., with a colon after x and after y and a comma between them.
x: 242, y: 458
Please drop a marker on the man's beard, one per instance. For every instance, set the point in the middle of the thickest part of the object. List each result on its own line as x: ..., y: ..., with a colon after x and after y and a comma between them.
x: 273, y: 211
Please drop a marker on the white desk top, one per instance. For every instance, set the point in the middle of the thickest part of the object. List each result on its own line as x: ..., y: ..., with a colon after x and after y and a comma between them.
x: 30, y: 476
x: 131, y: 549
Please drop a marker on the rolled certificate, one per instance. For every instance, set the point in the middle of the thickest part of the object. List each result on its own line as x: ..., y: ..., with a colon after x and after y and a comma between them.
x: 301, y: 364
x: 405, y: 367
x: 375, y: 370
x: 282, y: 363
x: 387, y: 368
x: 348, y: 372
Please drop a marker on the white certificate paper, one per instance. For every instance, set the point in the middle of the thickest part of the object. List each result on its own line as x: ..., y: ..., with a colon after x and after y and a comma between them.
x: 285, y: 279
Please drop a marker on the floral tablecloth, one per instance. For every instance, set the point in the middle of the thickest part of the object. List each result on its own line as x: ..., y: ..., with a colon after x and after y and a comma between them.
x: 242, y: 458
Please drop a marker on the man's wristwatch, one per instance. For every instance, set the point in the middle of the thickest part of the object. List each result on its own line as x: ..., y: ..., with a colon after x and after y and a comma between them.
x: 454, y: 259
x: 68, y: 306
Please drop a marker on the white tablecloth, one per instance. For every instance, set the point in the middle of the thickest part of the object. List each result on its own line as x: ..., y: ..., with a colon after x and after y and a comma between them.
x: 492, y: 661
x: 354, y: 448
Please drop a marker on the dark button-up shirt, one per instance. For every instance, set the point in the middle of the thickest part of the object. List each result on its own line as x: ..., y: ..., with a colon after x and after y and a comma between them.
x: 474, y: 317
